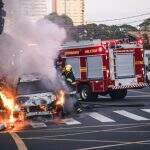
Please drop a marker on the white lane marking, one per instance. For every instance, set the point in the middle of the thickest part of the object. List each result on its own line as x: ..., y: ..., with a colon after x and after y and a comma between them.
x: 132, y: 131
x: 86, y: 132
x: 81, y: 127
x: 100, y: 96
x: 20, y: 144
x: 131, y: 115
x: 38, y: 125
x: 146, y: 110
x: 80, y: 140
x: 138, y: 96
x: 114, y: 145
x: 141, y: 92
x: 100, y: 117
x: 71, y: 121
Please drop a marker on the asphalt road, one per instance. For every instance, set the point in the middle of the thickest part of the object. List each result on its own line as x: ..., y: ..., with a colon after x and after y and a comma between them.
x: 104, y: 124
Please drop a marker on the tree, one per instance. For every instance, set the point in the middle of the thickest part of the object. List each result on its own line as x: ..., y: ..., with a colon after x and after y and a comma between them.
x: 127, y: 28
x: 63, y: 21
x: 91, y: 31
x: 2, y: 15
x: 145, y: 25
x: 78, y: 33
x: 103, y: 31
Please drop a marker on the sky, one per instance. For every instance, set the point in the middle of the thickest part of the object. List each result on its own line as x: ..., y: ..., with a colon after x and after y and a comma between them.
x: 99, y: 10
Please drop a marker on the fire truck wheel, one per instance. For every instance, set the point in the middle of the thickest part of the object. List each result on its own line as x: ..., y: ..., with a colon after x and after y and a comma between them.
x: 118, y: 94
x: 85, y: 92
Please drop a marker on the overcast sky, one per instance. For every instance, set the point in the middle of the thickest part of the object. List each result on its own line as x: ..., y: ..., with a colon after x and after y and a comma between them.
x: 97, y: 10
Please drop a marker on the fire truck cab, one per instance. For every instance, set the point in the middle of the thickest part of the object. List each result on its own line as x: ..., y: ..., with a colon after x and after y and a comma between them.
x: 104, y: 67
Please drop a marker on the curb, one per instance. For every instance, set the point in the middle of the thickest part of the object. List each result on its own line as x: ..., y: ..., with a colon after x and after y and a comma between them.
x: 2, y: 127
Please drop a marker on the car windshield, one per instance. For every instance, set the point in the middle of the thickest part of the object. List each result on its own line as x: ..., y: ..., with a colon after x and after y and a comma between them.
x: 34, y: 87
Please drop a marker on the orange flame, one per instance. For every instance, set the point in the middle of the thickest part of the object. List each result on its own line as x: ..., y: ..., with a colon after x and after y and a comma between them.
x: 61, y: 99
x: 8, y: 100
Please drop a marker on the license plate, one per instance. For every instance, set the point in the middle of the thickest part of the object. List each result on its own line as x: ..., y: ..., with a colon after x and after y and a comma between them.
x: 37, y: 113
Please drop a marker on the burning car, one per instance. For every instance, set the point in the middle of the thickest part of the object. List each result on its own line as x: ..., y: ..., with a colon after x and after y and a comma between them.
x: 36, y: 96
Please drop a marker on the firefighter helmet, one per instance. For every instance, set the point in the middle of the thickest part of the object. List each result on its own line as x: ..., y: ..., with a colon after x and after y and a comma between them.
x: 68, y: 68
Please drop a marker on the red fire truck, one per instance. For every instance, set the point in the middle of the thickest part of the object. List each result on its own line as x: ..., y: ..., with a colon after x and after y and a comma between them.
x: 104, y: 67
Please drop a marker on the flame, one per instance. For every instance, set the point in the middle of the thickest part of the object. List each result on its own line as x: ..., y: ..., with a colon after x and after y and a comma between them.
x: 8, y: 100
x: 61, y: 98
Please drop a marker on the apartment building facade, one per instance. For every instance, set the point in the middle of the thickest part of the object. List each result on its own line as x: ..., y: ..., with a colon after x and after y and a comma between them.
x: 33, y: 10
x: 72, y: 8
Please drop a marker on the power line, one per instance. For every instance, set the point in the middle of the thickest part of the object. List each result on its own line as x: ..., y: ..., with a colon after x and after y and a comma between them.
x: 118, y: 19
x: 132, y: 22
x: 82, y: 26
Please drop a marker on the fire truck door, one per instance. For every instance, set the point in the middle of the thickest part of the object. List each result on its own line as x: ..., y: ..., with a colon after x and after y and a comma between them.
x: 95, y: 72
x: 94, y: 64
x: 124, y: 69
x: 75, y: 63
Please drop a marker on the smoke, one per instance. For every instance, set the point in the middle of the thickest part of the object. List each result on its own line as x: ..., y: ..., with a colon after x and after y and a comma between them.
x: 29, y: 47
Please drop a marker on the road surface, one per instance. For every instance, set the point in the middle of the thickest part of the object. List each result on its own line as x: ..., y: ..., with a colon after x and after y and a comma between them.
x: 106, y: 124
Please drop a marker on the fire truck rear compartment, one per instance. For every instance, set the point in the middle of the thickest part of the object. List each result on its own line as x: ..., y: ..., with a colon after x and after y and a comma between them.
x: 124, y: 69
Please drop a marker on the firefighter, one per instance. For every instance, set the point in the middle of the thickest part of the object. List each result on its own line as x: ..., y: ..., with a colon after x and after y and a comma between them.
x: 69, y: 77
x: 71, y: 83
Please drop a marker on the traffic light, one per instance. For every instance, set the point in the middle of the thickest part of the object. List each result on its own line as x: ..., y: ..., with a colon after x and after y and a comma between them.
x: 2, y: 15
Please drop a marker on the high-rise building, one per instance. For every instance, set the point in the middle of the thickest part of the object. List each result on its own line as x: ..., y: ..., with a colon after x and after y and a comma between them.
x: 72, y: 8
x: 32, y: 9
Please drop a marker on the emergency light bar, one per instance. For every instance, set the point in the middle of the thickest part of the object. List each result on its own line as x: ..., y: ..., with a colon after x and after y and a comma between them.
x: 82, y: 44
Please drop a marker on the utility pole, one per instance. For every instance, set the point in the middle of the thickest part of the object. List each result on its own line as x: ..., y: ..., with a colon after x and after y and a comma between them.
x: 2, y: 15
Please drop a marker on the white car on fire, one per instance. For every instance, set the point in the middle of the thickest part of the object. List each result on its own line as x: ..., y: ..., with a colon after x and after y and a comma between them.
x: 35, y: 95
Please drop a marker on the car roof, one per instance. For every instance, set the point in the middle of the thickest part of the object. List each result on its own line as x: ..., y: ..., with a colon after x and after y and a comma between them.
x: 30, y: 78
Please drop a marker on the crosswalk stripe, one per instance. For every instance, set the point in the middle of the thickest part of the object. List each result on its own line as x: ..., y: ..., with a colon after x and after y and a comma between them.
x: 146, y: 110
x: 71, y: 121
x: 100, y: 117
x: 131, y: 115
x: 38, y: 125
